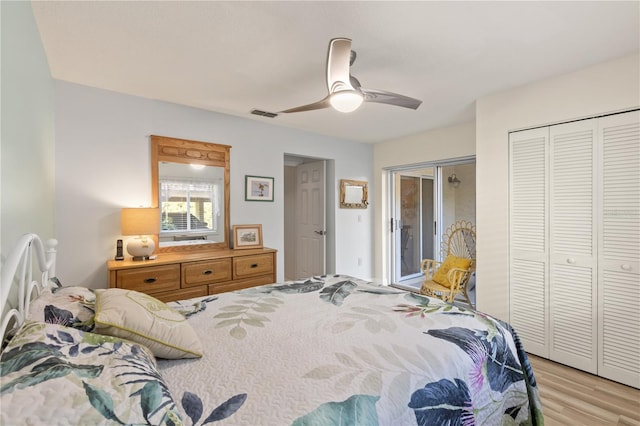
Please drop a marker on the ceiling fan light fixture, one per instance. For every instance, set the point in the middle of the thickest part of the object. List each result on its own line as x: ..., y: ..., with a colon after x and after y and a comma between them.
x: 346, y: 100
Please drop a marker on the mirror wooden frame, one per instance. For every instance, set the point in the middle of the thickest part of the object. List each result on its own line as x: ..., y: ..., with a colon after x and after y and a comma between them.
x: 362, y: 196
x: 186, y: 151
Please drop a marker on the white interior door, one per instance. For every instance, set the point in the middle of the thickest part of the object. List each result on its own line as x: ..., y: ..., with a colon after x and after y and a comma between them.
x: 572, y: 245
x: 528, y: 238
x: 619, y: 248
x: 311, y: 225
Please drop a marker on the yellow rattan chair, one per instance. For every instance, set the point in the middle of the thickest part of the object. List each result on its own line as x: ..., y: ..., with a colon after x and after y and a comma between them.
x: 460, y: 241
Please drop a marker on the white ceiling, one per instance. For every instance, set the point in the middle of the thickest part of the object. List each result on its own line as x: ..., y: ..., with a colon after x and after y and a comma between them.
x: 234, y: 56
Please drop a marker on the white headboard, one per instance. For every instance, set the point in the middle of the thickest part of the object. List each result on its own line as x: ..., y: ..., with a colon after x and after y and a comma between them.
x: 18, y: 284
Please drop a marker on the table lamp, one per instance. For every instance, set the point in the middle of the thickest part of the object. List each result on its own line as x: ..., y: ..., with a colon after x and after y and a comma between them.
x: 142, y: 222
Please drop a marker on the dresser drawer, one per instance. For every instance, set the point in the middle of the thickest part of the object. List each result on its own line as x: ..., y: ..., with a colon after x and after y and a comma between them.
x: 151, y: 279
x: 248, y: 266
x: 185, y: 293
x: 206, y: 272
x: 240, y: 284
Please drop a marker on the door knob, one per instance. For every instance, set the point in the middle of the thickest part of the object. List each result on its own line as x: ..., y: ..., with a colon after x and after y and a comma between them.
x: 321, y: 232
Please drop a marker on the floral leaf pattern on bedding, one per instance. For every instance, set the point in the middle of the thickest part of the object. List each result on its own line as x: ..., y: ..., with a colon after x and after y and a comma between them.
x: 496, y: 371
x: 247, y: 312
x: 379, y: 290
x: 356, y: 410
x: 190, y: 309
x: 102, y: 378
x: 336, y: 293
x: 378, y: 370
x: 374, y: 320
x: 494, y: 364
x: 296, y: 287
x: 443, y: 403
x: 372, y: 359
x: 192, y: 405
x: 102, y: 402
x: 423, y: 306
x: 495, y: 356
x: 68, y: 306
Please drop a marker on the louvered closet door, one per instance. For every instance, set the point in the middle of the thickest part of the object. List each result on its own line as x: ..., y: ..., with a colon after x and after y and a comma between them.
x: 619, y: 260
x: 528, y: 278
x: 572, y: 237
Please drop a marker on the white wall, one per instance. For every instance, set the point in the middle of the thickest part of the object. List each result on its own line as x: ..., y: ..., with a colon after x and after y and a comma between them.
x: 27, y: 144
x: 465, y: 193
x: 440, y: 144
x: 103, y: 164
x: 607, y: 87
x: 289, y: 218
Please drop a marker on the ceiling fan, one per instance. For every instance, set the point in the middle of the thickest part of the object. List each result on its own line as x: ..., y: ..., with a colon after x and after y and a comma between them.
x: 345, y: 92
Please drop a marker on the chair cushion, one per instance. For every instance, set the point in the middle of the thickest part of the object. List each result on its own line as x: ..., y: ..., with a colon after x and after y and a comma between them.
x: 451, y: 261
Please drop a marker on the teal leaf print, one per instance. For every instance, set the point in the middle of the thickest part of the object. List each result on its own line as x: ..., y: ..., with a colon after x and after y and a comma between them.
x: 101, y: 401
x: 356, y: 410
x: 247, y: 312
x: 307, y: 286
x: 51, y: 368
x: 502, y: 368
x: 226, y: 409
x: 336, y: 293
x: 150, y: 398
x: 443, y: 403
x: 379, y: 290
x: 192, y: 405
x: 21, y: 356
x: 423, y: 306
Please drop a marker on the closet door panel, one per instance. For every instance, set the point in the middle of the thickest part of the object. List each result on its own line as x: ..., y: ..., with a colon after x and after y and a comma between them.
x: 573, y: 248
x: 619, y: 252
x: 528, y: 235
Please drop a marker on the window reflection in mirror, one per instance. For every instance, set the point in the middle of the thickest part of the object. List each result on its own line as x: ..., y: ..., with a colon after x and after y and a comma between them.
x: 194, y: 201
x: 191, y: 203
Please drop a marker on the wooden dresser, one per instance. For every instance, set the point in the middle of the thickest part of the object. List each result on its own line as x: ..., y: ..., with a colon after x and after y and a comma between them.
x: 174, y: 276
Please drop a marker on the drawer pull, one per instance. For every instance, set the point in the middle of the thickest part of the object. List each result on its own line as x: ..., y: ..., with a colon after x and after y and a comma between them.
x: 625, y: 267
x: 207, y: 272
x: 255, y: 265
x: 150, y: 280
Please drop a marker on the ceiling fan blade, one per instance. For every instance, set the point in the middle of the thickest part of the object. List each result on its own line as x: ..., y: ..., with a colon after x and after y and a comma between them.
x: 383, y: 97
x: 316, y: 105
x: 338, y: 62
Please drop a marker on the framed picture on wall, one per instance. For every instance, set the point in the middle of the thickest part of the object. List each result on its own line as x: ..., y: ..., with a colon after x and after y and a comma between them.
x: 258, y: 188
x: 247, y: 236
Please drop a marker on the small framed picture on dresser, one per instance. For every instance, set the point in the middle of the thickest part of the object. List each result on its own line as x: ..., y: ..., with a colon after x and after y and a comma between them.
x: 247, y: 236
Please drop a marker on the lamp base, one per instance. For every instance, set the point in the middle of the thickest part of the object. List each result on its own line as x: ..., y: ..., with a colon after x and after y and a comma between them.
x: 140, y: 248
x: 136, y: 258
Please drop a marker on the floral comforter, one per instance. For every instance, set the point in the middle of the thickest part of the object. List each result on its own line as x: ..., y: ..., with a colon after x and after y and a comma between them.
x: 338, y: 350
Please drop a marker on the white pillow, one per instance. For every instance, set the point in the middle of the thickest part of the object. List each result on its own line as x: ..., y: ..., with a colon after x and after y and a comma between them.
x: 68, y: 306
x: 144, y: 319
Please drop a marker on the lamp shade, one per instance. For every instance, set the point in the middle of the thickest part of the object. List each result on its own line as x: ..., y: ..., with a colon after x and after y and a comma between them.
x: 140, y: 221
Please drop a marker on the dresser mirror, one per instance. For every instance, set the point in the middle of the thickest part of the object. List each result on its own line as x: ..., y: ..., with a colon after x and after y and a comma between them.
x: 190, y: 186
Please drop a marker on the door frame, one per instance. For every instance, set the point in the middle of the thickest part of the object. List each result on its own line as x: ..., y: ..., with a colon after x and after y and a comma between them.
x: 290, y: 236
x: 391, y: 247
x: 398, y: 224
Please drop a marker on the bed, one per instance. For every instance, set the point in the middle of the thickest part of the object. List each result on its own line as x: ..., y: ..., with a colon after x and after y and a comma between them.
x: 326, y: 350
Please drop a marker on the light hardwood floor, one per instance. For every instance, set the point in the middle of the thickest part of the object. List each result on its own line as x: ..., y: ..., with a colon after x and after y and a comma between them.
x: 573, y: 397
